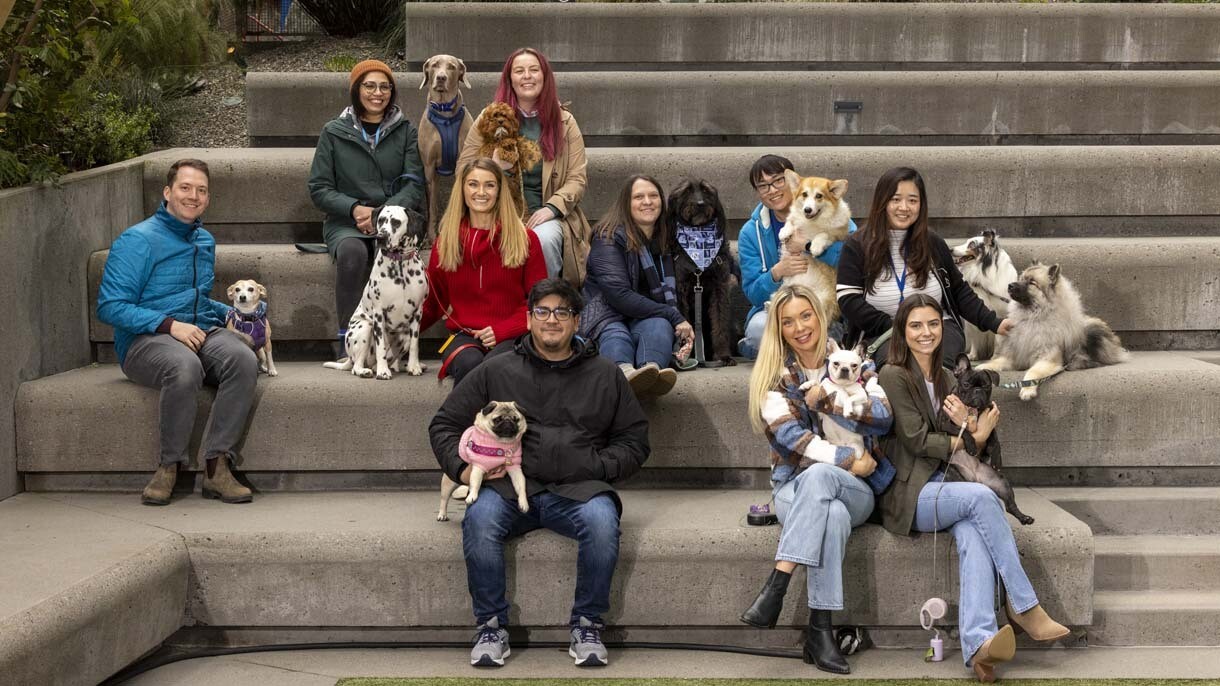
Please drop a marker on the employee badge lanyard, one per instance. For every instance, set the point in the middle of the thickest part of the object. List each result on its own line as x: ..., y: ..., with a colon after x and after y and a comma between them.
x: 900, y: 280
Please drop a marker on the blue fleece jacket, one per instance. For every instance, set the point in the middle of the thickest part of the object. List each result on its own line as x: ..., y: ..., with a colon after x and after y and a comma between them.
x: 758, y: 251
x: 159, y: 268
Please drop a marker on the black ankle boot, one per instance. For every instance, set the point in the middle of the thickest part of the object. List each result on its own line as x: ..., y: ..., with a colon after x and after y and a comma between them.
x: 765, y: 610
x: 821, y: 649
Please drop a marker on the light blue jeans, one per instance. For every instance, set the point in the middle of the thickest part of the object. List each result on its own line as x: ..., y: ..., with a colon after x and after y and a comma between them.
x: 550, y: 235
x: 638, y: 342
x: 748, y: 346
x: 818, y: 509
x: 975, y: 516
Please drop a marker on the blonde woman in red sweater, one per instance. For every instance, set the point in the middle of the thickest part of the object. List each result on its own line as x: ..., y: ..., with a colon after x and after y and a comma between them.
x: 482, y: 267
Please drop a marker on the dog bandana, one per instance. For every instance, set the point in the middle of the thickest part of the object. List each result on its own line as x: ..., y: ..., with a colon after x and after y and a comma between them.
x: 448, y: 128
x: 253, y: 325
x: 487, y: 451
x: 701, y: 243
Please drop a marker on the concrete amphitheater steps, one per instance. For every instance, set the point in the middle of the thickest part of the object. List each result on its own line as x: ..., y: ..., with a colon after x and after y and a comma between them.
x: 803, y: 108
x: 1155, y: 562
x: 818, y: 36
x: 1155, y: 618
x: 1104, y: 191
x: 92, y: 429
x: 1137, y: 511
x: 1126, y: 281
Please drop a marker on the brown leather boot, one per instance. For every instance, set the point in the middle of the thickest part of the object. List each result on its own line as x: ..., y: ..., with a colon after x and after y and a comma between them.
x: 1037, y: 623
x: 161, y: 486
x: 1001, y: 647
x: 222, y: 484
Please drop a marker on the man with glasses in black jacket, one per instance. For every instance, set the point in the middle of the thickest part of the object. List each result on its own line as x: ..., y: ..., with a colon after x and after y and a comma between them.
x: 586, y: 430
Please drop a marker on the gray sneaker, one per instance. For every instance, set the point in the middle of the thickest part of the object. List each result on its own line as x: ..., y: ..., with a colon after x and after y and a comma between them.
x: 490, y: 645
x: 586, y: 646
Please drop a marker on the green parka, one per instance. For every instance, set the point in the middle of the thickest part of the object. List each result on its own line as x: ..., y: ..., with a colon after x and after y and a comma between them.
x: 350, y: 168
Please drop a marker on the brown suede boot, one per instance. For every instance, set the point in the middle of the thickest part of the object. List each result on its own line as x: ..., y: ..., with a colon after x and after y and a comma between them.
x: 161, y: 486
x: 1037, y: 623
x: 1001, y: 647
x: 222, y: 484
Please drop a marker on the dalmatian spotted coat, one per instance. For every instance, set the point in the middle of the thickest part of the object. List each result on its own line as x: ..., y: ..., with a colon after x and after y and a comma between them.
x: 384, y: 330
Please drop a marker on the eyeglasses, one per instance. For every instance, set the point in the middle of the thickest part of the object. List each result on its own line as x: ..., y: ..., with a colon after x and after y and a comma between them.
x: 372, y: 87
x: 562, y: 314
x: 774, y: 185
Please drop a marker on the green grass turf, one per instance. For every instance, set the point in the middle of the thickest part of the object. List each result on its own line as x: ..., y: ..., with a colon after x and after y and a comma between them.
x: 584, y: 681
x: 466, y: 681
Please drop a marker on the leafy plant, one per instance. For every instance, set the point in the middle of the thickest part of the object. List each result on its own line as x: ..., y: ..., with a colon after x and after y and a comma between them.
x: 340, y: 63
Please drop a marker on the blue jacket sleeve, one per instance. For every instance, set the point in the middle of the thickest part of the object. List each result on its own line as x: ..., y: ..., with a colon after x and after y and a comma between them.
x: 607, y: 268
x: 755, y: 277
x: 831, y: 255
x: 128, y: 268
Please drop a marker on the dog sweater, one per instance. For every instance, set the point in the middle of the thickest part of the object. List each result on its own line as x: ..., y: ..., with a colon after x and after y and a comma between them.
x: 486, y: 451
x: 253, y: 325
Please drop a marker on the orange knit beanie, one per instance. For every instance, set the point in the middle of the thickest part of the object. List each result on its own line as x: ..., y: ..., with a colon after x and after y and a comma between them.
x: 367, y: 66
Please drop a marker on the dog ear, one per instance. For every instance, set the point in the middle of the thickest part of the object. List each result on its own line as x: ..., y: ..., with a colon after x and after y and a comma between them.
x: 423, y: 82
x: 859, y: 349
x: 963, y: 364
x: 262, y: 290
x: 838, y: 188
x: 462, y: 73
x: 229, y: 291
x: 793, y: 179
x: 491, y: 406
x: 832, y: 346
x: 1053, y: 273
x: 994, y: 376
x: 989, y: 236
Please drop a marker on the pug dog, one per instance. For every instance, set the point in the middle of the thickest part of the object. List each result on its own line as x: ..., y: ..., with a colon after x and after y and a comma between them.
x: 493, y: 441
x: 980, y: 464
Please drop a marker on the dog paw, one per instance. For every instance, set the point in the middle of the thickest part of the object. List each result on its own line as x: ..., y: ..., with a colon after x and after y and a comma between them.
x: 442, y: 517
x: 263, y: 368
x: 523, y: 506
x: 471, y: 498
x: 272, y: 372
x: 1025, y: 520
x: 362, y: 372
x: 807, y: 385
x: 385, y: 376
x: 416, y: 370
x: 728, y: 361
x: 1029, y: 393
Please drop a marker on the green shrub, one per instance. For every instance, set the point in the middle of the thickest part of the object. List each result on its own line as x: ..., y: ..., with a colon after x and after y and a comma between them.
x: 340, y: 63
x: 351, y: 17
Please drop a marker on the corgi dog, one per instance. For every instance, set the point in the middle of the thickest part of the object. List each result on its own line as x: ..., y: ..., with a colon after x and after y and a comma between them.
x: 817, y: 218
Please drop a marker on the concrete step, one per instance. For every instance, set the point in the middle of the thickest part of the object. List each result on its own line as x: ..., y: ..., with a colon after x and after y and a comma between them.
x: 1170, y: 289
x: 1157, y: 562
x: 1138, y: 511
x: 803, y: 107
x: 84, y: 594
x: 93, y: 429
x: 818, y: 36
x: 382, y: 560
x: 1101, y: 191
x: 1155, y: 618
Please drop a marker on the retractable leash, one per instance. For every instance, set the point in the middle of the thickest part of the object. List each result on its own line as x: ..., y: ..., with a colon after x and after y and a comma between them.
x: 935, y: 607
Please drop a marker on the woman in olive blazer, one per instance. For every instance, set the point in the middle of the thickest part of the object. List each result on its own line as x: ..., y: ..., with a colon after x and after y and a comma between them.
x: 919, y: 499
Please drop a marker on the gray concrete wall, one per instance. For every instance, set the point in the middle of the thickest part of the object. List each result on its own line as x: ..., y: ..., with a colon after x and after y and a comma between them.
x: 1125, y: 281
x: 290, y: 109
x: 267, y: 186
x: 46, y: 237
x: 1006, y: 34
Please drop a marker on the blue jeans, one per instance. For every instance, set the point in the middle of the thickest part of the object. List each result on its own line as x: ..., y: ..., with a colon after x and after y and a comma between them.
x: 975, y: 516
x: 550, y: 235
x: 638, y: 342
x: 748, y: 346
x: 491, y: 520
x: 818, y: 510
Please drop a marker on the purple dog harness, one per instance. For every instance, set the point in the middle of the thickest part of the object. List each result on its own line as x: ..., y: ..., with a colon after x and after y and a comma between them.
x: 253, y: 325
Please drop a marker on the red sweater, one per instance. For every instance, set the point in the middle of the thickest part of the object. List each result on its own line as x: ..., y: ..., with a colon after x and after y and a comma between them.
x: 482, y: 291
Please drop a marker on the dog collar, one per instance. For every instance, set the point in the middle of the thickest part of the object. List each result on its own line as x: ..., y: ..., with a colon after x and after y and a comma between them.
x: 491, y: 451
x: 399, y: 255
x: 444, y: 106
x: 258, y: 314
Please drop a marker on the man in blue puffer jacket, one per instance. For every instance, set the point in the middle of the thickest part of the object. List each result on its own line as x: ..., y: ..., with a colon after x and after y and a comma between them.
x: 168, y: 334
x: 762, y: 267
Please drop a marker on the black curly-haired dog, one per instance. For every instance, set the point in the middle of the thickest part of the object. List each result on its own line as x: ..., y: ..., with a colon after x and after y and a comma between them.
x: 694, y: 209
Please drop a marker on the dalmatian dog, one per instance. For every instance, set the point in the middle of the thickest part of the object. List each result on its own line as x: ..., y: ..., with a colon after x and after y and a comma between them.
x: 384, y: 330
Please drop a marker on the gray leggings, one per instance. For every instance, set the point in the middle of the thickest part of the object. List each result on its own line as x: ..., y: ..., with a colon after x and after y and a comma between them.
x: 353, y: 262
x: 224, y: 360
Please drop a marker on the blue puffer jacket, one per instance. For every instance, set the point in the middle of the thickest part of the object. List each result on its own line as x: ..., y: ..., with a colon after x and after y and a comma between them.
x: 159, y: 268
x: 758, y: 251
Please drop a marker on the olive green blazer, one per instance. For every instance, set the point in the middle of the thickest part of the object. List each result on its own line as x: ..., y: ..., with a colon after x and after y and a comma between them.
x: 915, y: 447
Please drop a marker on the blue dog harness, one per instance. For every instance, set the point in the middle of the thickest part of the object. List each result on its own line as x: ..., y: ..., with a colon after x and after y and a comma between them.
x: 448, y: 128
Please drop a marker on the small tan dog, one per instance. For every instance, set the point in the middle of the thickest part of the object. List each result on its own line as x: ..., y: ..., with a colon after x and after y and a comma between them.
x: 501, y: 132
x: 493, y: 442
x: 249, y: 318
x: 817, y: 218
x: 443, y: 126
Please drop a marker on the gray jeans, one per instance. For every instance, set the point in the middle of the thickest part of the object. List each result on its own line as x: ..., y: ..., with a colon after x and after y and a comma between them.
x: 224, y: 360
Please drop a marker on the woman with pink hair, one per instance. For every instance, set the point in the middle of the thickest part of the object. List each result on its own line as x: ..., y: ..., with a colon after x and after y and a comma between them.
x: 554, y: 187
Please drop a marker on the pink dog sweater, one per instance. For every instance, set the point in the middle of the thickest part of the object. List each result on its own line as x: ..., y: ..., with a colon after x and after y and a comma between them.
x: 487, y: 452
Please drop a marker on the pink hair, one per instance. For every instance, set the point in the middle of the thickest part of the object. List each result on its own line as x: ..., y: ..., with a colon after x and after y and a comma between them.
x: 551, y: 140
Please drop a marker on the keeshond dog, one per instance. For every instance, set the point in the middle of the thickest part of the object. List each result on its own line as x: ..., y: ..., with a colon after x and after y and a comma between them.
x: 1051, y: 332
